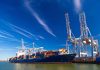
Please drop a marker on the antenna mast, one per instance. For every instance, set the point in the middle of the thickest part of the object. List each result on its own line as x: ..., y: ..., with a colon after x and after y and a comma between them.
x: 22, y: 44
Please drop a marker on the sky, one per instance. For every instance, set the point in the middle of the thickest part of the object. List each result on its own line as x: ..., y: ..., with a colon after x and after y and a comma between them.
x: 43, y: 22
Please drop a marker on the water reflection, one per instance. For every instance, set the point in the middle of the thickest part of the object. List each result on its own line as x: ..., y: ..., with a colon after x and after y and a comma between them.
x: 87, y: 67
x: 18, y: 66
x: 57, y: 67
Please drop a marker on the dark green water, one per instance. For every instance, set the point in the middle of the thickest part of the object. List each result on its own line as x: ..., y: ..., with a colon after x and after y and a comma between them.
x: 10, y: 66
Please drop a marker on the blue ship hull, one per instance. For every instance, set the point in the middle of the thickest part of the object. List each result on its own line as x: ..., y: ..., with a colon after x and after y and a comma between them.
x: 97, y: 60
x: 51, y: 59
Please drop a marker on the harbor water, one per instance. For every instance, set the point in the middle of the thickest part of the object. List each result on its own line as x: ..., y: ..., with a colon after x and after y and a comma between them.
x: 18, y: 66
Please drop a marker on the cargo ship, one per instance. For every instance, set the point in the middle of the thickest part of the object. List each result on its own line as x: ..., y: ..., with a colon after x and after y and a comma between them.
x: 39, y: 55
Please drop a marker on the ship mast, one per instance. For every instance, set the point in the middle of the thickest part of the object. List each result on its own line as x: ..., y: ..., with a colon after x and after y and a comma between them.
x: 22, y: 50
x: 22, y: 44
x: 33, y: 47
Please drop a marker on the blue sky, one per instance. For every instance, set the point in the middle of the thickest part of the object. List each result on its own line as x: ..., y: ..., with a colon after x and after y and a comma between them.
x: 43, y: 22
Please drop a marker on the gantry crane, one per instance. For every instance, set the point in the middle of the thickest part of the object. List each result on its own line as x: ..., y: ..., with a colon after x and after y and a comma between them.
x: 85, y: 39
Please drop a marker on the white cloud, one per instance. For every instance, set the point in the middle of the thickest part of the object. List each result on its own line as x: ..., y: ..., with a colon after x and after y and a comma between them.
x: 77, y: 4
x: 6, y: 33
x: 3, y: 36
x: 21, y: 33
x: 18, y: 28
x: 9, y: 38
x: 41, y: 22
x: 41, y: 37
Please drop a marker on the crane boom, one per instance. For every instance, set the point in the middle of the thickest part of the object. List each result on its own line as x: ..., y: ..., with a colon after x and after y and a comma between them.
x: 68, y: 26
x: 83, y: 25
